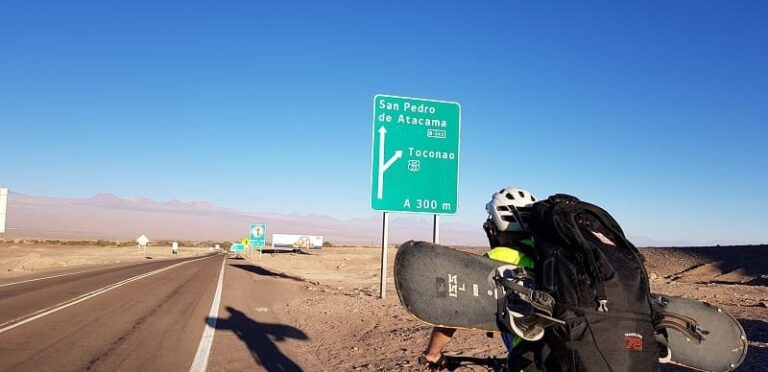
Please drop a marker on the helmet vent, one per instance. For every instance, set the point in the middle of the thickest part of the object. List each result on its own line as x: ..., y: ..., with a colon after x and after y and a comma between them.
x: 509, y: 218
x: 522, y: 194
x: 510, y: 196
x: 502, y: 208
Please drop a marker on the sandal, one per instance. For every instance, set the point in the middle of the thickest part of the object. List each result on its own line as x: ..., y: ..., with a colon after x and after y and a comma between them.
x: 439, y: 364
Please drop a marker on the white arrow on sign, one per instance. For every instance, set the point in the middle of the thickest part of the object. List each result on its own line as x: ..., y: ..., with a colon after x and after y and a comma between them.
x: 383, y: 166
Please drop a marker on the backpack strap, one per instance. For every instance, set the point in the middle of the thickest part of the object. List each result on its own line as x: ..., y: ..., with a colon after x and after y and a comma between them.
x: 542, y: 302
x: 689, y: 327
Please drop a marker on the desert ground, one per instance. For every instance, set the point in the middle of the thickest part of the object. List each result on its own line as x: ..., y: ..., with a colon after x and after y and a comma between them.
x: 348, y: 327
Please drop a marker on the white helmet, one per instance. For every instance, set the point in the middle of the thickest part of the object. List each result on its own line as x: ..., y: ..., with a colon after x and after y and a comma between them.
x: 509, y: 209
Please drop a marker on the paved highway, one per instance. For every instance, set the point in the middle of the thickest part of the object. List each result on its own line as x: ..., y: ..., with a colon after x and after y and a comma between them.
x: 209, y: 313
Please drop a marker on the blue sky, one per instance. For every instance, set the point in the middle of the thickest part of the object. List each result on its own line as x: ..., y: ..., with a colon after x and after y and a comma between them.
x: 655, y: 110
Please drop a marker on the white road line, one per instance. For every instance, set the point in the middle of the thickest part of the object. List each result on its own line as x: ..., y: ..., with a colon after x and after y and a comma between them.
x: 204, y: 348
x: 65, y: 274
x: 9, y: 325
x: 49, y: 277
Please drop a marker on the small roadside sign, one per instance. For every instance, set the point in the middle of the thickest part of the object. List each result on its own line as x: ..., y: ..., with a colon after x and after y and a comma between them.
x: 258, y: 235
x: 143, y: 240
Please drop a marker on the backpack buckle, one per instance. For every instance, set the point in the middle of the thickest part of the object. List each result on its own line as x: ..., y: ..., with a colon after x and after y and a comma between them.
x: 603, y: 305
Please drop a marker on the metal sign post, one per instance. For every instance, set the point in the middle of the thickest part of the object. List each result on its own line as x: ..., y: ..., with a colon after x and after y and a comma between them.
x: 436, y: 230
x: 384, y: 243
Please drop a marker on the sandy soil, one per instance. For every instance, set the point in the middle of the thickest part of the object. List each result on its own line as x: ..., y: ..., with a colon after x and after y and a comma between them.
x: 351, y: 328
x: 27, y: 260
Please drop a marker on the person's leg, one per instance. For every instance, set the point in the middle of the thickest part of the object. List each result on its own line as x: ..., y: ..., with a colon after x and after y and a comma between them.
x: 509, y: 341
x: 437, y: 340
x: 525, y: 356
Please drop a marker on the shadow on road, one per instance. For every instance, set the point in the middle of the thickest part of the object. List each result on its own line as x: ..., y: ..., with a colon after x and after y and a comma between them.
x: 757, y: 330
x: 757, y: 357
x: 291, y: 252
x: 260, y: 338
x: 258, y: 270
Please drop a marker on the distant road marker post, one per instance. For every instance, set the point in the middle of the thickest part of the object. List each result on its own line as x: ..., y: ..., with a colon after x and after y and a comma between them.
x: 414, y: 161
x: 3, y: 207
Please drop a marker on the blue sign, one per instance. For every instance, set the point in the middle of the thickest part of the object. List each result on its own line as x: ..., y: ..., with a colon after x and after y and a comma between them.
x: 258, y: 235
x: 238, y: 247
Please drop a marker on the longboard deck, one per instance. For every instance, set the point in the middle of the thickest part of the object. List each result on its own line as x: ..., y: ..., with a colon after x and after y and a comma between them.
x: 445, y: 287
x: 724, y: 346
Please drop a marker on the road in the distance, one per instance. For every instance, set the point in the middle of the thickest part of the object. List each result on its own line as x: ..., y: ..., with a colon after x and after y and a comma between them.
x: 153, y: 323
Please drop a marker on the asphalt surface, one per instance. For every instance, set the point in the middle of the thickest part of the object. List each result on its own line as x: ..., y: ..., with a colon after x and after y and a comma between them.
x: 119, y: 318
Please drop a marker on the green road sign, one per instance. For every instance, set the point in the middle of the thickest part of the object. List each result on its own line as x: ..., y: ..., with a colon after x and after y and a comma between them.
x: 238, y: 247
x: 258, y: 235
x: 415, y: 156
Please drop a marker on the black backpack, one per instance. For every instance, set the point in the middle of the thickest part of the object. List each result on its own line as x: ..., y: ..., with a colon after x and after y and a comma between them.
x: 600, y: 288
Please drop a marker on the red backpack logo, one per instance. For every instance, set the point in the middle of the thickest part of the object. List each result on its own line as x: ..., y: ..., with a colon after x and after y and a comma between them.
x: 633, y: 341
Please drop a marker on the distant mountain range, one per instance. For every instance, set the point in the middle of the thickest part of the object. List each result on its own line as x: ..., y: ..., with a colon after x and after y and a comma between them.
x: 107, y: 216
x: 110, y: 217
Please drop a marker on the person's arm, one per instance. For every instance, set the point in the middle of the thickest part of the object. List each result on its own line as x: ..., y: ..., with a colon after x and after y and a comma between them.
x: 437, y: 341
